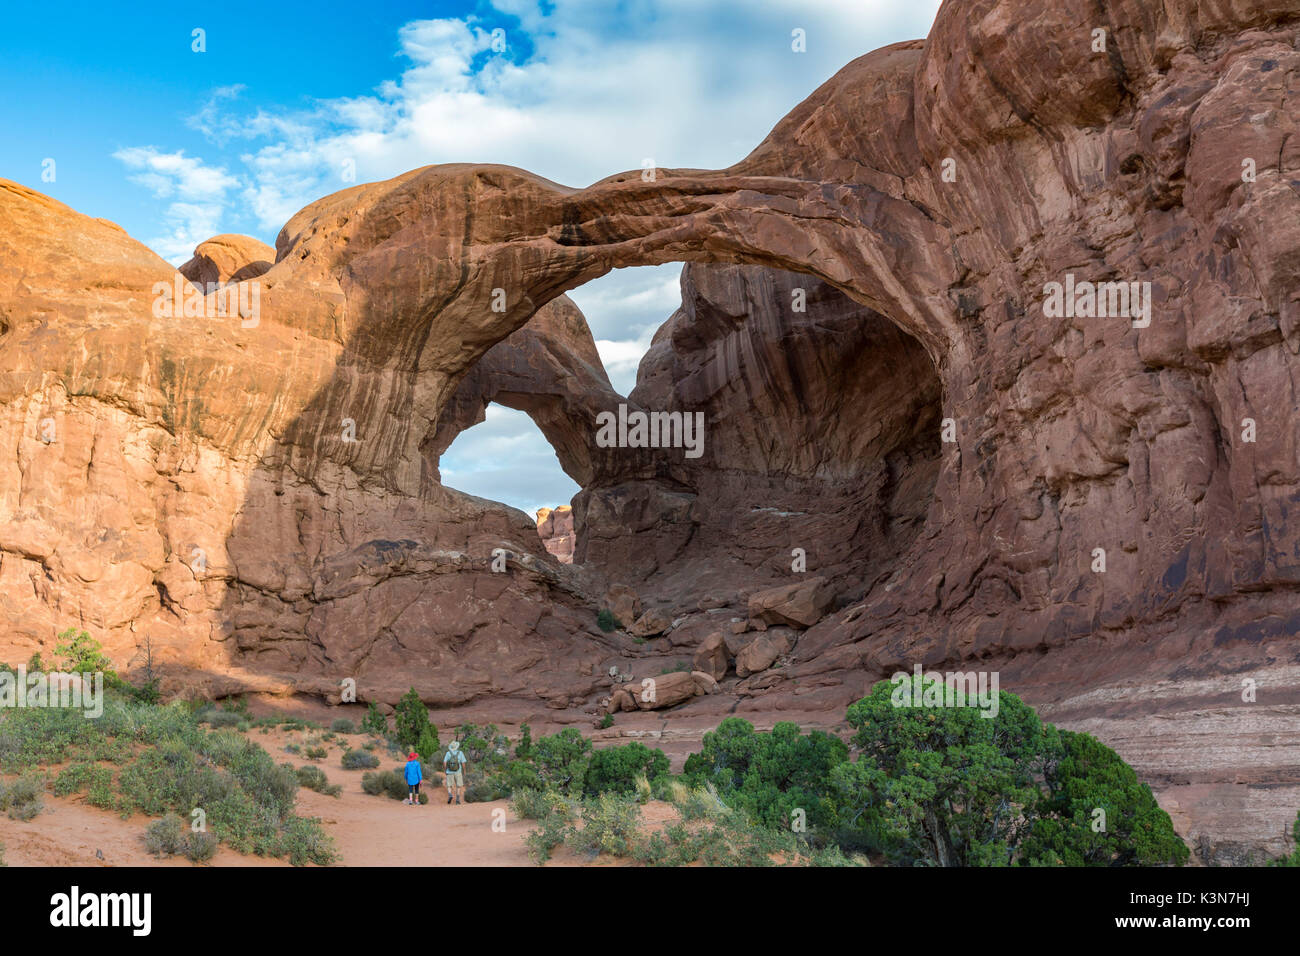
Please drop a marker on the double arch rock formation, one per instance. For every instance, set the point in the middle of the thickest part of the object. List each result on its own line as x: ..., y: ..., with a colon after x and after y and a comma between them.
x: 263, y: 500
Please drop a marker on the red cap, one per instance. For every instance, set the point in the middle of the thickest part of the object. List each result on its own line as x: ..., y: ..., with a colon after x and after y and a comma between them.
x: 411, y: 755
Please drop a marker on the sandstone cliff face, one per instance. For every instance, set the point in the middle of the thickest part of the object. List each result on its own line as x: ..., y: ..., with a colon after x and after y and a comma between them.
x: 264, y: 500
x: 555, y: 528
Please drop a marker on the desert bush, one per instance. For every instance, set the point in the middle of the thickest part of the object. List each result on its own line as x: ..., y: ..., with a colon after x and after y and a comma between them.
x: 560, y: 760
x: 359, y: 760
x: 770, y: 776
x: 168, y: 763
x: 615, y: 769
x: 529, y: 804
x: 606, y: 620
x: 23, y: 798
x: 165, y: 837
x: 609, y: 825
x: 313, y: 778
x: 485, y: 791
x: 80, y: 653
x: 484, y: 746
x: 554, y: 823
x: 385, y: 783
x: 219, y: 719
x: 342, y: 725
x: 374, y: 722
x: 411, y: 721
x: 315, y: 753
x: 303, y: 840
x: 81, y: 776
x: 200, y: 846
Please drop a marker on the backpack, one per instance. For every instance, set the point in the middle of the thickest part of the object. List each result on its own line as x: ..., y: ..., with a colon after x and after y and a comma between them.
x: 457, y: 756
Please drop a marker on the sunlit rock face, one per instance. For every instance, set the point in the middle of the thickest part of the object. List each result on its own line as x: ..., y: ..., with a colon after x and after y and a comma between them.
x: 261, y: 496
x: 555, y: 528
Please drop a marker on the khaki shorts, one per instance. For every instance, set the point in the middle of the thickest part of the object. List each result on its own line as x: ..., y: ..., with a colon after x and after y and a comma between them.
x: 455, y: 778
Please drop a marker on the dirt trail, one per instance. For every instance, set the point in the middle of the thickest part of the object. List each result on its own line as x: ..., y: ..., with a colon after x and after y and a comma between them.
x: 367, y: 830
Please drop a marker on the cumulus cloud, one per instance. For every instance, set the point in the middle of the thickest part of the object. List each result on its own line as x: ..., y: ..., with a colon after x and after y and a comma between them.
x: 506, y: 458
x: 603, y: 88
x: 197, y: 194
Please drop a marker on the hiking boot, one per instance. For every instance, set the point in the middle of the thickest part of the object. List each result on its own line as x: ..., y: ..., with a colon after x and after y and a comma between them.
x: 449, y: 798
x: 458, y: 800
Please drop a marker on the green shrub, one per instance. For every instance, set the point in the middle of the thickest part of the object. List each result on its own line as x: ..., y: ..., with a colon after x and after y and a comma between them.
x: 1090, y: 784
x: 530, y: 804
x: 773, y: 777
x: 165, y: 837
x: 200, y: 846
x: 428, y: 746
x: 374, y: 722
x: 384, y: 782
x: 484, y: 746
x: 615, y: 769
x: 485, y: 791
x: 24, y: 798
x: 359, y: 760
x: 524, y: 750
x: 553, y: 824
x: 953, y: 786
x: 609, y: 825
x: 80, y: 653
x: 81, y: 776
x: 606, y: 722
x: 303, y: 840
x: 411, y: 720
x: 168, y: 763
x: 342, y: 725
x: 315, y: 753
x: 605, y: 620
x: 313, y: 778
x: 1292, y: 858
x: 219, y: 719
x: 561, y: 760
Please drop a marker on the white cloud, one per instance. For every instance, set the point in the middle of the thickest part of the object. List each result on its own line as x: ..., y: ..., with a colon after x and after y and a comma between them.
x: 198, y: 194
x: 680, y: 82
x: 506, y: 458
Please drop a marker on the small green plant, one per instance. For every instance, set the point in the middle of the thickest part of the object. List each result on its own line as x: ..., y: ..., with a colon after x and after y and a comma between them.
x: 607, y: 722
x: 555, y: 821
x: 374, y: 722
x: 342, y: 725
x: 389, y: 783
x: 411, y: 719
x: 201, y: 846
x: 530, y: 804
x: 359, y: 760
x: 428, y: 746
x: 609, y: 825
x: 24, y: 798
x: 605, y: 620
x: 81, y: 653
x: 314, y: 753
x: 313, y: 778
x: 165, y: 837
x: 35, y: 664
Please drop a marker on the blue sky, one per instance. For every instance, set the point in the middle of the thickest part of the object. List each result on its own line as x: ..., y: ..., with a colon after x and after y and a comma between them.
x: 287, y: 103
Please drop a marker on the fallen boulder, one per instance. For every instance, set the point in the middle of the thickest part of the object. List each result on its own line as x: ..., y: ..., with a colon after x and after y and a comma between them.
x: 801, y: 604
